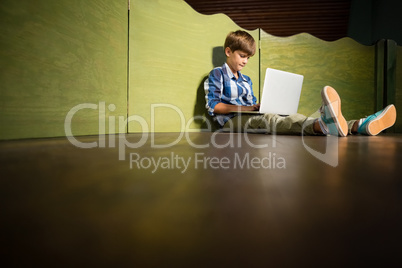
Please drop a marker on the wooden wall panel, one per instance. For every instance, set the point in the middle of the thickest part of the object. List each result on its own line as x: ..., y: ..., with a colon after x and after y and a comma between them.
x: 55, y: 55
x: 346, y: 65
x: 398, y: 89
x: 172, y: 50
x: 325, y: 19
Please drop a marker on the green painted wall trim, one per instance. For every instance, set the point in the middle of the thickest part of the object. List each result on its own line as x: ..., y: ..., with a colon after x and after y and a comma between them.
x: 398, y: 88
x: 395, y: 81
x: 389, y: 73
x: 390, y: 64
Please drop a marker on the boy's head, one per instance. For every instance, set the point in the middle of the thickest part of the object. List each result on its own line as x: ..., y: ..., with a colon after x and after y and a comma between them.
x: 239, y: 47
x: 240, y: 40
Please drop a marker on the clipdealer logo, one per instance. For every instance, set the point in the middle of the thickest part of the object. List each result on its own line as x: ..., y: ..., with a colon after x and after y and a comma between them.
x: 203, y: 161
x: 271, y: 160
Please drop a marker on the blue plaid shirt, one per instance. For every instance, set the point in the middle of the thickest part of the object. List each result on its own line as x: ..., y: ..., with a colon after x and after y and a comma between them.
x: 222, y: 86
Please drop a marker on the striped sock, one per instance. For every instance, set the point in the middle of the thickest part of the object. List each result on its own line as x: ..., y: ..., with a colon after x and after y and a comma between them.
x: 323, y: 126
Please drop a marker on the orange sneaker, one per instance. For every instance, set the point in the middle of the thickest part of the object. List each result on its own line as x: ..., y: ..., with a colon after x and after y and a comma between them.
x: 375, y: 123
x: 331, y: 118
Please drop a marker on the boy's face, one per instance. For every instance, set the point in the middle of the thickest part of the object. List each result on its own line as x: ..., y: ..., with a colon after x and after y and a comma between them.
x: 236, y: 60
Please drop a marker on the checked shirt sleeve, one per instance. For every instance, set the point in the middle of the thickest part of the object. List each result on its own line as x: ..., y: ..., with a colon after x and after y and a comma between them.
x: 213, y: 87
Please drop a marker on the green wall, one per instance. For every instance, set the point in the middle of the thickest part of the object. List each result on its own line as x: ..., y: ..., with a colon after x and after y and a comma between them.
x: 344, y: 64
x: 150, y: 64
x: 55, y: 55
x: 172, y: 50
x: 398, y: 88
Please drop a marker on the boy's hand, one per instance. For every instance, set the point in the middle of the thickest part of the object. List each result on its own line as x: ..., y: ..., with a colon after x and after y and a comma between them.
x: 222, y: 108
x: 254, y: 107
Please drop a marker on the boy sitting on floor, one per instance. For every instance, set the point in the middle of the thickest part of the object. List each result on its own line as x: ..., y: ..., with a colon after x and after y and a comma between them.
x: 228, y: 90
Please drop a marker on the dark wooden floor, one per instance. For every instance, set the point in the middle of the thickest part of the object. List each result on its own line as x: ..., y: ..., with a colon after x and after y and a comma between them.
x: 277, y: 206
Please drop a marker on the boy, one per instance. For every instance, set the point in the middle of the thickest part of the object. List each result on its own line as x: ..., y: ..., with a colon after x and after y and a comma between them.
x: 228, y: 90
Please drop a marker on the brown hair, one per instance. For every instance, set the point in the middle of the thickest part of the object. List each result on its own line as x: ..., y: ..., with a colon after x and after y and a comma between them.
x: 240, y: 40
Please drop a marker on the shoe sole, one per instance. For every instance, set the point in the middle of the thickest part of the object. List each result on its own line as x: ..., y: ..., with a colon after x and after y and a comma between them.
x: 333, y: 102
x: 385, y: 120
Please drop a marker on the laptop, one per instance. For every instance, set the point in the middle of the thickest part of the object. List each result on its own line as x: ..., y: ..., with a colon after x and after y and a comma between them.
x: 281, y: 93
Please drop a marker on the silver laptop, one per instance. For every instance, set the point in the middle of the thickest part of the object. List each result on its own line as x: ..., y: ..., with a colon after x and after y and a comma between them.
x: 281, y: 92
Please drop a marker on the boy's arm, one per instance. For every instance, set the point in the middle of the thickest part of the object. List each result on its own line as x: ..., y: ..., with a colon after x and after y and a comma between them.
x: 223, y: 108
x: 214, y: 93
